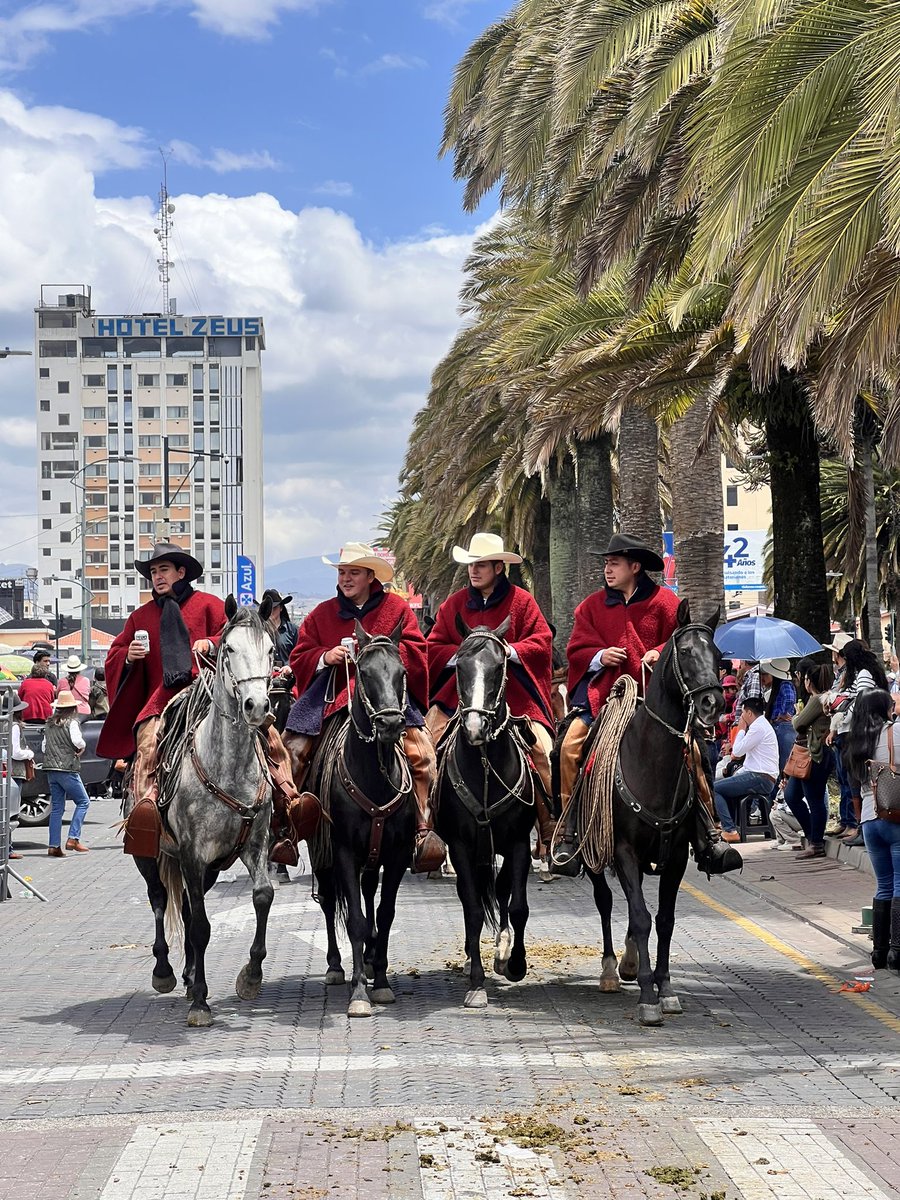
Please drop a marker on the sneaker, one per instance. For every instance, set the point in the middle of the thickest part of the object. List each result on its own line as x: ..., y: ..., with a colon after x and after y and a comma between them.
x: 787, y: 846
x: 836, y: 830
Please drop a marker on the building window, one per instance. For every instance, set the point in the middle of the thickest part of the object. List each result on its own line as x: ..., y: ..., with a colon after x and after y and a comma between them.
x: 65, y: 506
x: 105, y: 347
x: 250, y: 343
x: 214, y: 500
x: 148, y: 414
x: 95, y: 441
x: 179, y: 440
x: 198, y: 440
x: 62, y: 387
x: 731, y: 496
x: 99, y: 584
x: 57, y: 349
x: 130, y: 580
x: 148, y: 381
x: 92, y: 380
x: 197, y: 378
x: 215, y: 554
x: 63, y: 419
x: 65, y: 535
x: 145, y: 527
x: 95, y: 412
x: 149, y: 469
x: 96, y: 470
x: 141, y: 347
x: 127, y: 411
x: 46, y: 552
x: 95, y: 499
x: 126, y: 378
x: 729, y: 465
x: 65, y: 564
x: 44, y: 372
x: 111, y: 379
x: 176, y: 380
x: 149, y: 497
x: 214, y: 377
x: 56, y: 320
x: 45, y: 495
x: 199, y: 411
x: 214, y: 411
x: 45, y: 406
x: 732, y: 528
x: 224, y: 347
x: 150, y: 440
x: 65, y: 593
x: 177, y: 412
x: 46, y: 523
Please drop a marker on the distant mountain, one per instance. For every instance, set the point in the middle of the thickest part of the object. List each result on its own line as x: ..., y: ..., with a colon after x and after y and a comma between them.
x: 13, y: 570
x: 306, y: 578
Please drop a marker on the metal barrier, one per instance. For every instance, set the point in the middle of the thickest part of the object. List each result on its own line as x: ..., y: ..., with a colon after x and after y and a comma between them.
x: 8, y: 697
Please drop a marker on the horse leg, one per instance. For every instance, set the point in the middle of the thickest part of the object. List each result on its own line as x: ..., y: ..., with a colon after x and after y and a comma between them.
x: 473, y: 915
x: 391, y: 878
x: 334, y: 974
x: 199, y: 1016
x: 249, y: 980
x: 503, y: 939
x: 163, y: 977
x: 369, y: 886
x: 639, y: 924
x: 347, y: 883
x: 609, y: 975
x: 520, y: 869
x: 187, y: 975
x: 669, y: 883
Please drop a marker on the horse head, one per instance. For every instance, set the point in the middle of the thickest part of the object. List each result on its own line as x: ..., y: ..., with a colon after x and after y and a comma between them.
x: 689, y: 669
x: 481, y: 664
x: 379, y: 699
x: 245, y: 660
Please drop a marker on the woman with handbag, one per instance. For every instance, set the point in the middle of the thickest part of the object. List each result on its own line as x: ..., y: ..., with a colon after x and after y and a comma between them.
x: 872, y: 756
x: 22, y: 765
x: 811, y: 762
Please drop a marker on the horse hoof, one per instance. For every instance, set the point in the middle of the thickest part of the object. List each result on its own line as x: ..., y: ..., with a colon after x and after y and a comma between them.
x: 650, y: 1014
x: 502, y: 951
x: 670, y: 1006
x: 609, y: 978
x: 383, y: 995
x: 247, y: 988
x: 501, y: 966
x: 628, y: 963
x: 164, y: 983
x: 610, y: 985
x: 334, y: 976
x: 359, y: 1008
x: 515, y: 974
x: 476, y: 998
x: 369, y: 970
x: 200, y: 1018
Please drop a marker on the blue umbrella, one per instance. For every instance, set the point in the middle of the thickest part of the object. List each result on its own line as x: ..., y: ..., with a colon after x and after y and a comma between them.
x: 756, y: 638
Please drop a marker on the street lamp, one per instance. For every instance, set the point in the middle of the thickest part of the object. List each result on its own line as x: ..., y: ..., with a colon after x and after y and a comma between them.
x: 195, y: 455
x: 85, y: 608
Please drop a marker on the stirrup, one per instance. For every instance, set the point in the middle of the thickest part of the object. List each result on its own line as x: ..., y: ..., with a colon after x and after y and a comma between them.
x: 564, y: 858
x: 718, y: 858
x: 429, y: 853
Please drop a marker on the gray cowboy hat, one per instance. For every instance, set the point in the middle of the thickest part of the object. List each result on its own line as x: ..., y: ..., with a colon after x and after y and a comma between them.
x: 169, y: 552
x: 276, y: 597
x: 632, y: 547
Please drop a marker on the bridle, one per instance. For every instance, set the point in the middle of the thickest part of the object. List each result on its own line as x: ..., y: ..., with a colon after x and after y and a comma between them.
x: 687, y: 693
x: 220, y: 664
x: 490, y: 714
x: 372, y: 713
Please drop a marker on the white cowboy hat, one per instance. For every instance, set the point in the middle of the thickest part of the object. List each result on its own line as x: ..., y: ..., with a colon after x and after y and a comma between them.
x: 358, y: 554
x: 485, y: 547
x: 838, y: 642
x: 73, y: 664
x: 778, y: 668
x: 65, y: 700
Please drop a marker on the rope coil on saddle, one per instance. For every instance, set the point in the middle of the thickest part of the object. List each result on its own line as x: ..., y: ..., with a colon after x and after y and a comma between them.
x: 595, y: 835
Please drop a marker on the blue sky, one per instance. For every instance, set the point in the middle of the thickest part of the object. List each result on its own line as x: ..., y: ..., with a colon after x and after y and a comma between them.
x: 303, y: 138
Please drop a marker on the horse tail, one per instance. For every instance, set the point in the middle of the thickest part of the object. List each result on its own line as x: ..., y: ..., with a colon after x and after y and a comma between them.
x: 170, y: 874
x: 486, y: 875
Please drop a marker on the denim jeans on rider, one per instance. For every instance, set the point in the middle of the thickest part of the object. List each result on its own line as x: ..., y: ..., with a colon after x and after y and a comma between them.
x: 65, y: 784
x: 808, y: 798
x: 846, y: 814
x: 729, y: 791
x: 882, y: 840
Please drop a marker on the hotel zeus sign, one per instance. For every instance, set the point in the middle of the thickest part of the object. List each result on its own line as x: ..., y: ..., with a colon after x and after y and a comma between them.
x: 170, y: 327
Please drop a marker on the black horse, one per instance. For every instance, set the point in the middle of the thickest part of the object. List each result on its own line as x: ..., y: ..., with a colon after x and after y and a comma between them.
x: 485, y: 806
x: 364, y: 782
x: 653, y: 807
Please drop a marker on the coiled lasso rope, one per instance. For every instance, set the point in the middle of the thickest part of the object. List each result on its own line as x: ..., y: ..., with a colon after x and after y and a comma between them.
x: 595, y: 818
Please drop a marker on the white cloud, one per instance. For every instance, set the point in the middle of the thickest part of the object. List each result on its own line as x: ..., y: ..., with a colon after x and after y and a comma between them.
x: 18, y: 431
x: 223, y: 162
x: 334, y: 187
x: 448, y: 12
x: 393, y: 62
x: 353, y: 329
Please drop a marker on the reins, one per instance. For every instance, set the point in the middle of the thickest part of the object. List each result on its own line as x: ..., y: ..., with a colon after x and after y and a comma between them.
x: 490, y: 714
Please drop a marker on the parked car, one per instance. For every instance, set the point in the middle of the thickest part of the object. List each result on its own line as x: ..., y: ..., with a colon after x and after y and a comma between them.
x: 100, y: 780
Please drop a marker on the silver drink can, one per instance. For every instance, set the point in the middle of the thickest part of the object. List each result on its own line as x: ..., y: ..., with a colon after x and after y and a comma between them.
x: 349, y: 644
x: 142, y: 637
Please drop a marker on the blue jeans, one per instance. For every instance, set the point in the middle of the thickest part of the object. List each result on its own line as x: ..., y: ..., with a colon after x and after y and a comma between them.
x: 744, y: 783
x: 65, y: 784
x: 808, y: 798
x: 846, y: 813
x: 882, y: 840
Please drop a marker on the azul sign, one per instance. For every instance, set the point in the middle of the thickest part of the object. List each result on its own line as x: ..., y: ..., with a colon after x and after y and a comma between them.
x: 171, y: 327
x: 246, y: 580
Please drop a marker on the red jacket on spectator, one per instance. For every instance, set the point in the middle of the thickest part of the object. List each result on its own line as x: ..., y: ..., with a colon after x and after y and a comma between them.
x: 38, y: 693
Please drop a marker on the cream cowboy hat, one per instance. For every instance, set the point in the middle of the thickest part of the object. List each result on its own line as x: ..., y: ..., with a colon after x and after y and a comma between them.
x: 485, y: 547
x: 358, y: 554
x: 838, y: 642
x: 65, y: 700
x: 73, y: 664
x: 778, y: 668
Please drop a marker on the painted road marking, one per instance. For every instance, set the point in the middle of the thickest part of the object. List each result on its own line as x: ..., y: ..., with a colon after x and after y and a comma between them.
x: 206, y: 1161
x: 463, y: 1159
x: 872, y: 1007
x: 787, y: 1157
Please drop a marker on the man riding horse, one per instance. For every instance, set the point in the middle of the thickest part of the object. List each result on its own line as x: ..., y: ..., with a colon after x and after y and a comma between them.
x: 488, y: 600
x: 621, y: 630
x: 323, y: 669
x: 151, y: 661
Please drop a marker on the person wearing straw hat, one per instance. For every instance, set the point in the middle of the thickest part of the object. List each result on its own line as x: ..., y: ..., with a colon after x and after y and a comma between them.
x: 77, y: 684
x: 320, y: 663
x: 63, y: 746
x: 154, y: 658
x: 489, y: 599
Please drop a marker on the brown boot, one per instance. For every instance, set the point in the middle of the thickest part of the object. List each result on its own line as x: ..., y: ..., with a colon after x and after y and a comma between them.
x: 143, y: 826
x: 294, y: 814
x: 430, y: 850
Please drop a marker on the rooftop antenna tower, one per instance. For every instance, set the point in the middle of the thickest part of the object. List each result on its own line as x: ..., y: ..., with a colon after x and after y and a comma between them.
x: 163, y: 231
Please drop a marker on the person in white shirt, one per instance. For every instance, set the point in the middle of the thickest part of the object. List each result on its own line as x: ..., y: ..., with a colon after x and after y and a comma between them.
x: 757, y: 744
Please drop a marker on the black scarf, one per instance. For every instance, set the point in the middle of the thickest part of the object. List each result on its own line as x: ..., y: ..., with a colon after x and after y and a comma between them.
x: 347, y: 610
x: 498, y: 595
x: 174, y: 640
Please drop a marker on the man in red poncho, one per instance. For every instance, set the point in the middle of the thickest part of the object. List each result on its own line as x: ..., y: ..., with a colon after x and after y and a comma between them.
x: 178, y: 621
x: 621, y: 630
x: 318, y: 664
x: 488, y: 600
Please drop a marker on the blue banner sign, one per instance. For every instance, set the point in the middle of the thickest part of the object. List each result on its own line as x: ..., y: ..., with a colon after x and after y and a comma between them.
x: 170, y: 327
x: 246, y: 580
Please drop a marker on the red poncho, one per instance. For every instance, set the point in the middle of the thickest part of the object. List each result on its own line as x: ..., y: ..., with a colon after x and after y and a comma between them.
x: 138, y: 694
x: 528, y: 681
x: 637, y: 627
x: 324, y: 628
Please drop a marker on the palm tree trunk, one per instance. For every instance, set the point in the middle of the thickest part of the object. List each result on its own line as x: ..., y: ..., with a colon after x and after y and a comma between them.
x: 540, y: 557
x: 697, y: 514
x: 563, y: 544
x: 639, y: 506
x: 595, y: 509
x: 873, y: 591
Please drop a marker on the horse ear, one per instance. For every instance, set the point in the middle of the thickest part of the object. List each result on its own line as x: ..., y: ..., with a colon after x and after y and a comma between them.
x: 265, y: 609
x: 462, y: 628
x: 362, y: 638
x: 713, y: 623
x: 230, y: 607
x: 683, y: 616
x: 503, y: 628
x: 397, y: 633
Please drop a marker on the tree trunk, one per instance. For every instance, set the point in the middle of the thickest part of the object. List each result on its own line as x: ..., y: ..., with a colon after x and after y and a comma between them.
x: 697, y: 515
x: 563, y: 545
x: 540, y: 558
x: 873, y: 591
x: 798, y: 567
x: 595, y: 509
x: 639, y: 505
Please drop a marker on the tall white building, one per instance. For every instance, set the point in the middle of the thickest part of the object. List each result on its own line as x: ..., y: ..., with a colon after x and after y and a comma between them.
x: 149, y: 426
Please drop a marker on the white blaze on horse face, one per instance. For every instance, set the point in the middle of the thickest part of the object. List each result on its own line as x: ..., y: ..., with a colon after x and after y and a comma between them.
x: 474, y: 721
x: 249, y: 662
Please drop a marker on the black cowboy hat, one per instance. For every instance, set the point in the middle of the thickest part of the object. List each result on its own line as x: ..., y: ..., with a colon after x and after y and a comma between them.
x: 276, y: 597
x: 169, y: 552
x: 632, y: 547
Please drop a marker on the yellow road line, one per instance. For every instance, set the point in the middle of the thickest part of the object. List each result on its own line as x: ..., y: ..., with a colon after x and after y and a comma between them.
x: 872, y: 1007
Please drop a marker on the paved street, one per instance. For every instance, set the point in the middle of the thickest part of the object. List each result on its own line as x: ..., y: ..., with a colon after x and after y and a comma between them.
x: 771, y: 1084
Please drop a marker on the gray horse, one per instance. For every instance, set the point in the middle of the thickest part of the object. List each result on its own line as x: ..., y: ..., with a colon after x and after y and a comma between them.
x: 217, y: 806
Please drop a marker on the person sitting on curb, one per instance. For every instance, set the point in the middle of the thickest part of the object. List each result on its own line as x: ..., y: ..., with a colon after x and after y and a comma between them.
x: 757, y: 744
